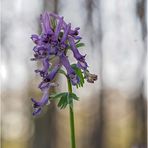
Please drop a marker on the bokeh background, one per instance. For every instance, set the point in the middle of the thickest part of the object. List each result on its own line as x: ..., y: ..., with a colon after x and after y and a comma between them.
x: 112, y: 112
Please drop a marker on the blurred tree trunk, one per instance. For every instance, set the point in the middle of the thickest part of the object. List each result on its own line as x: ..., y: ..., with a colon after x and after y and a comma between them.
x: 124, y: 125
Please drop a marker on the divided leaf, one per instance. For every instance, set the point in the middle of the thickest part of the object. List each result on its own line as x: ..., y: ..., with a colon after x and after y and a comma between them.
x: 63, y: 102
x: 73, y: 96
x: 65, y: 98
x: 56, y: 96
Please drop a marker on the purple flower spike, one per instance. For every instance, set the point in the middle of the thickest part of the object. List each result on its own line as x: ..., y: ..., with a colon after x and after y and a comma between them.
x: 54, y: 42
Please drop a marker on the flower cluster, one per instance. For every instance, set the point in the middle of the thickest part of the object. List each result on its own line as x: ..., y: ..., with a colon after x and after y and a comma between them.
x: 56, y: 39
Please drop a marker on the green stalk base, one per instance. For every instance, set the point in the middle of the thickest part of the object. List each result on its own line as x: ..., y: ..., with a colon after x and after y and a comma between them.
x: 71, y: 114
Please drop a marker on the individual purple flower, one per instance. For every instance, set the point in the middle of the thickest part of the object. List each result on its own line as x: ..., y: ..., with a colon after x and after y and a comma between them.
x: 70, y: 72
x: 44, y: 71
x: 80, y: 58
x: 82, y: 63
x: 45, y: 23
x: 58, y: 28
x: 35, y: 38
x: 47, y: 85
x: 52, y: 74
x: 41, y: 52
x: 37, y: 105
x: 66, y: 31
x: 74, y: 33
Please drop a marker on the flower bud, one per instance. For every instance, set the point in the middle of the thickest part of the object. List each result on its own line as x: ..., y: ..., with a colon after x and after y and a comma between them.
x: 90, y: 77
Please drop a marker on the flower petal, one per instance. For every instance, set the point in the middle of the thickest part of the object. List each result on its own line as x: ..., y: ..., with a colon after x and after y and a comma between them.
x: 70, y: 72
x: 53, y: 73
x: 45, y: 23
x: 36, y: 111
x: 39, y: 104
x: 66, y: 33
x: 58, y: 28
x: 80, y: 58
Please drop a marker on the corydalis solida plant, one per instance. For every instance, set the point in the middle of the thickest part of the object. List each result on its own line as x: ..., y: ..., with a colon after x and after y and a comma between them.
x: 54, y: 42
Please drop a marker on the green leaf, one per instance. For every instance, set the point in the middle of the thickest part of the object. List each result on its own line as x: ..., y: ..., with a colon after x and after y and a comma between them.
x: 61, y: 71
x: 80, y: 45
x: 65, y: 99
x: 79, y: 74
x: 63, y: 102
x: 78, y: 41
x: 73, y: 96
x: 53, y: 23
x: 70, y: 100
x: 56, y: 96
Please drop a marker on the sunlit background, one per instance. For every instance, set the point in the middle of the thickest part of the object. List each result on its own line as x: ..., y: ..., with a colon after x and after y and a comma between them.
x: 112, y: 112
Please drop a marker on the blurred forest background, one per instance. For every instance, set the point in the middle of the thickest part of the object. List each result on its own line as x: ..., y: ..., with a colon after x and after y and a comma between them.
x: 112, y: 113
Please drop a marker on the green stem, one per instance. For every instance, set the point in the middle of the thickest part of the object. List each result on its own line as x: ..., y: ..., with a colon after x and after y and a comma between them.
x: 71, y: 113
